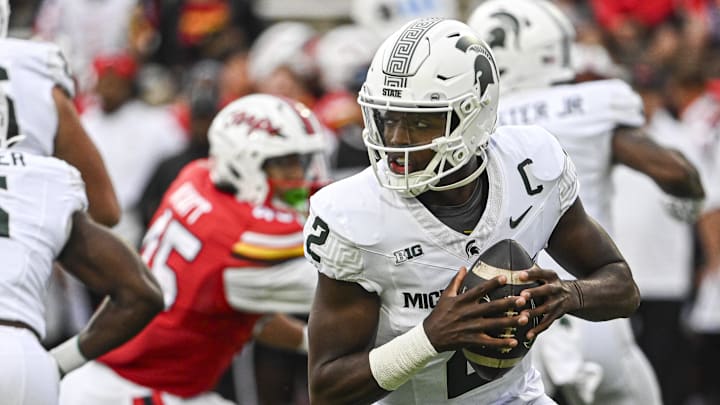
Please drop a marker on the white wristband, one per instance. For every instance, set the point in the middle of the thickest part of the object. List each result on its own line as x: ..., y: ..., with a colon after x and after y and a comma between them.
x: 305, y: 344
x: 395, y: 362
x: 68, y: 355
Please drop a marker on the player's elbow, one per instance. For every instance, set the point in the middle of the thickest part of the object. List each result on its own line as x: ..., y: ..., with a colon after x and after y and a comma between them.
x: 322, y: 386
x: 633, y: 300
x: 109, y: 217
x: 145, y: 297
x: 681, y: 179
x: 152, y: 298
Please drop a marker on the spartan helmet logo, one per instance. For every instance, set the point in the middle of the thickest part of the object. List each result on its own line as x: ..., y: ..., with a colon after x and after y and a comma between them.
x: 484, y: 64
x: 508, y: 29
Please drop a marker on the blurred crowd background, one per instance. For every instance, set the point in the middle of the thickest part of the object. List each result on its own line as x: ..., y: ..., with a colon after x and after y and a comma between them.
x: 151, y: 74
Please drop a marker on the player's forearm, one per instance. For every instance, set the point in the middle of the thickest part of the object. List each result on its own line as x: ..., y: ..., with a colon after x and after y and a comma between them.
x: 347, y: 380
x: 115, y: 322
x: 608, y: 293
x: 282, y: 332
x: 709, y: 234
x: 668, y: 168
x: 678, y: 177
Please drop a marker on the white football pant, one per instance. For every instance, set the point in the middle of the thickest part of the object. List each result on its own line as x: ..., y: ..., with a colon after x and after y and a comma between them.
x: 28, y: 374
x: 96, y: 384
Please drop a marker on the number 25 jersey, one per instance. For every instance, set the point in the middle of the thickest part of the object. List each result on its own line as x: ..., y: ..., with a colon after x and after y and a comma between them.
x: 216, y: 259
x: 394, y: 247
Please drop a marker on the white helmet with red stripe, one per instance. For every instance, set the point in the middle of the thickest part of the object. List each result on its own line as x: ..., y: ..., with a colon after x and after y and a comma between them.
x: 255, y: 128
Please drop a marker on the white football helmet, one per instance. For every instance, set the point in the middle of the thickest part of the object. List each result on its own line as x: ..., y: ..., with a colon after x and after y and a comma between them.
x: 4, y: 17
x: 431, y: 65
x: 343, y: 55
x: 282, y: 44
x: 385, y: 16
x: 531, y: 40
x: 255, y: 128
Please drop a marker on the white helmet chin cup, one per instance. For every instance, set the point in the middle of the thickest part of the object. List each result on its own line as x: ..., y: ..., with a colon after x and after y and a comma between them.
x: 531, y: 40
x: 251, y: 130
x: 432, y: 65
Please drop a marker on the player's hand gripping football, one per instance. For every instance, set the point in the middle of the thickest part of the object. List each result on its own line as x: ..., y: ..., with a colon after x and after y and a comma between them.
x: 557, y: 297
x: 462, y: 320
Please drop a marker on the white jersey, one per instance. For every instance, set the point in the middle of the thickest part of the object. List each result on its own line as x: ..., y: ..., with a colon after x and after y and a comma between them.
x: 38, y: 196
x: 28, y: 72
x: 394, y: 247
x: 583, y: 117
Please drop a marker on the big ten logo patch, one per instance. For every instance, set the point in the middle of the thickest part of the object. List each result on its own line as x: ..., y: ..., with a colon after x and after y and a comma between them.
x: 408, y: 253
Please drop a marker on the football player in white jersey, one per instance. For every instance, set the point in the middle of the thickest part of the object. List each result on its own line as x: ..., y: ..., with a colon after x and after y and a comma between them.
x: 39, y: 88
x: 43, y: 219
x: 599, y: 124
x: 387, y: 322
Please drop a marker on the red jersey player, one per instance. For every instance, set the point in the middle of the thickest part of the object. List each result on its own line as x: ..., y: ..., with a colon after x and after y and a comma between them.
x: 225, y: 253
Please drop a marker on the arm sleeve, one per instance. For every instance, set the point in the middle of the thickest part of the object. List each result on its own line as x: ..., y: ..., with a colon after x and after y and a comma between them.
x: 288, y: 287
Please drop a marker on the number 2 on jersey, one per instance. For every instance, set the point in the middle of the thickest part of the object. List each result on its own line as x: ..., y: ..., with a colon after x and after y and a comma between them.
x: 165, y: 236
x: 460, y: 376
x: 4, y: 217
x: 317, y: 239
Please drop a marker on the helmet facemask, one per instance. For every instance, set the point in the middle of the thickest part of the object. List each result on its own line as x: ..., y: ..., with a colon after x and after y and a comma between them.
x: 451, y: 151
x: 292, y: 178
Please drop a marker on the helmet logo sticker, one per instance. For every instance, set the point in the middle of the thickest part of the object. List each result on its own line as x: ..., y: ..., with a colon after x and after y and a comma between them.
x: 508, y: 22
x: 398, y: 65
x: 255, y: 123
x: 484, y: 62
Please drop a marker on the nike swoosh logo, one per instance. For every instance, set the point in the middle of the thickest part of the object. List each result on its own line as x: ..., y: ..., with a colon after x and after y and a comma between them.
x: 515, y: 222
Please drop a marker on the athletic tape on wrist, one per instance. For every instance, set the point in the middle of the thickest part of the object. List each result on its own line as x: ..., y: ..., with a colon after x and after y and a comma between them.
x: 68, y: 355
x: 395, y: 362
x: 305, y: 343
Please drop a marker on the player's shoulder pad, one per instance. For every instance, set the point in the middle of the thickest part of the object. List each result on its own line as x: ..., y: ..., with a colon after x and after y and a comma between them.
x: 353, y: 207
x: 517, y: 143
x: 45, y: 59
x: 613, y: 100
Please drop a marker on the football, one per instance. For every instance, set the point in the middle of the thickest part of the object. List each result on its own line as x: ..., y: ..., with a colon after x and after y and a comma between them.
x: 505, y: 257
